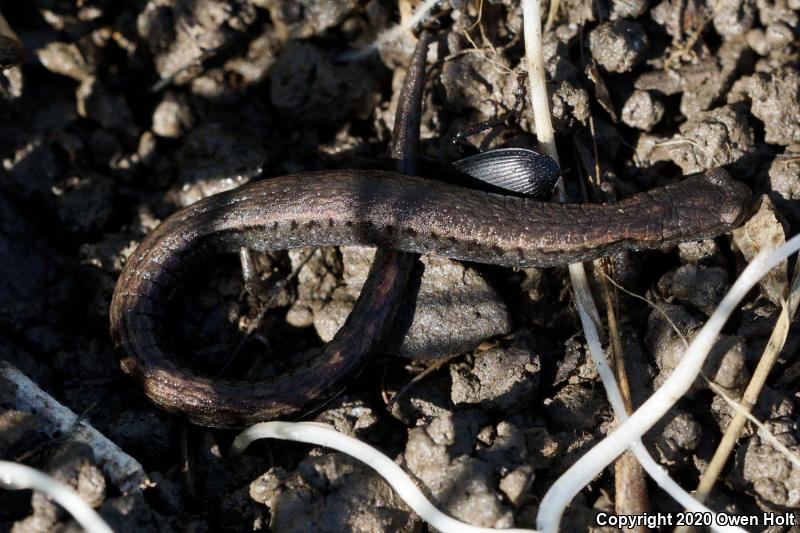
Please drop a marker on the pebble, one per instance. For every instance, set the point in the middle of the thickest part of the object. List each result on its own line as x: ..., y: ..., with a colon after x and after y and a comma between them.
x: 774, y: 100
x: 443, y: 316
x: 642, y: 111
x: 619, y: 45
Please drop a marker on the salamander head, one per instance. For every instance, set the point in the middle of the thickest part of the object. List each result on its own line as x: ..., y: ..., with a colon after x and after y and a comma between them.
x: 736, y: 198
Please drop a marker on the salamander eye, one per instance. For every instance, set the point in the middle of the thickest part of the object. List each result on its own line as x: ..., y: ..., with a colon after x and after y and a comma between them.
x: 516, y: 170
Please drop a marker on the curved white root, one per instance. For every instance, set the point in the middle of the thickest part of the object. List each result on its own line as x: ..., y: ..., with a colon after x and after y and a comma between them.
x: 395, y: 476
x: 681, y: 379
x: 17, y: 476
x: 656, y: 471
x: 628, y: 435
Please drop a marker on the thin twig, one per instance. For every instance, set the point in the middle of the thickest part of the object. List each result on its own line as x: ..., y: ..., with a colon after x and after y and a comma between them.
x: 768, y: 359
x: 587, y: 309
x: 562, y: 491
x: 436, y: 365
x: 122, y: 469
x: 681, y: 51
x: 501, y: 67
x: 265, y: 307
x: 738, y: 407
x: 551, y: 14
x: 480, y: 16
x: 630, y: 496
x: 662, y: 400
x: 653, y: 305
x: 763, y: 430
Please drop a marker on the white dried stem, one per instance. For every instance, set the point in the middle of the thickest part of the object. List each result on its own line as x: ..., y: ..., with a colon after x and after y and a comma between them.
x: 323, y: 435
x: 119, y: 467
x: 681, y: 379
x: 16, y: 476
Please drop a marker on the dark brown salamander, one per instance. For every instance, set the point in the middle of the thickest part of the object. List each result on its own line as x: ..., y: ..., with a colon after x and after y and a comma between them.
x: 393, y: 211
x: 389, y: 210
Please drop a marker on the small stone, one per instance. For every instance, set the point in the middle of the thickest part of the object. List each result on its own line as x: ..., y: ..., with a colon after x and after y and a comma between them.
x: 784, y: 185
x: 355, y: 497
x: 771, y: 404
x: 128, y: 513
x: 570, y: 105
x: 441, y: 318
x: 303, y: 19
x: 307, y: 85
x: 642, y: 111
x: 679, y: 438
x: 172, y: 117
x: 464, y: 486
x: 698, y: 251
x: 618, y: 46
x: 734, y: 18
x: 576, y: 407
x: 779, y: 35
x: 516, y: 483
x: 300, y: 315
x: 213, y: 160
x: 500, y: 378
x: 556, y: 61
x: 507, y: 445
x: 664, y: 342
x: 259, y: 59
x: 95, y: 102
x: 725, y: 366
x: 145, y: 433
x: 350, y: 417
x: 331, y: 317
x: 73, y: 464
x: 65, y: 59
x: 757, y: 40
x: 704, y: 287
x: 628, y: 8
x: 775, y: 100
x: 679, y: 19
x: 757, y: 320
x: 470, y: 83
x: 84, y: 203
x: 428, y: 399
x: 32, y: 171
x: 181, y: 36
x: 768, y: 474
x: 12, y: 52
x: 720, y: 137
x: 576, y: 366
x: 263, y: 488
x: 764, y: 231
x: 704, y: 83
x: 44, y: 517
x: 239, y: 508
x: 17, y: 428
x: 12, y: 84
